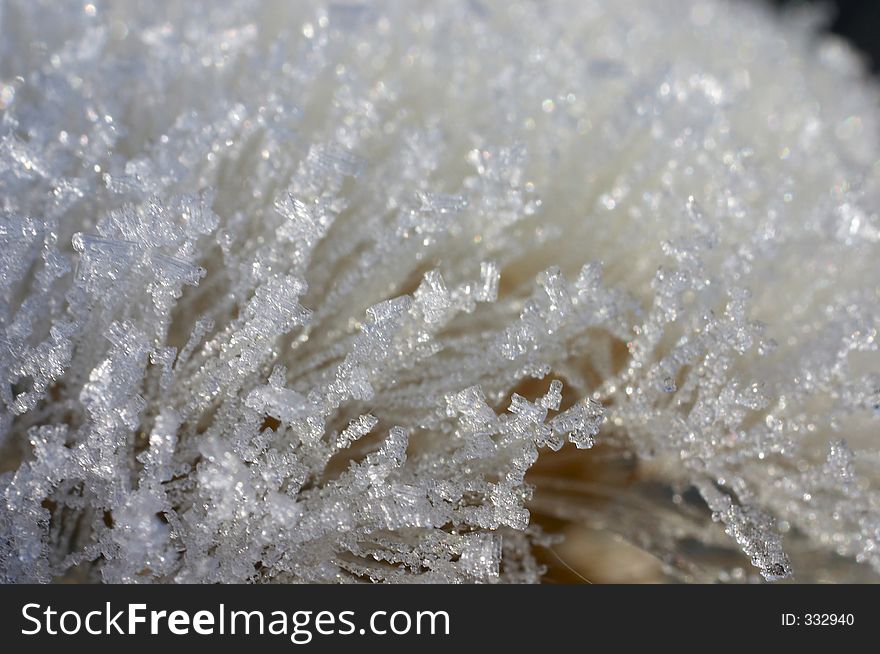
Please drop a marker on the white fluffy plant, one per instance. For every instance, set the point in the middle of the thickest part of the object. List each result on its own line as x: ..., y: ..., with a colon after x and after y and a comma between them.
x: 301, y: 292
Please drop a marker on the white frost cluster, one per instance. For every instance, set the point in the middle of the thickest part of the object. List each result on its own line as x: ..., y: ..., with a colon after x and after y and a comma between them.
x: 294, y: 291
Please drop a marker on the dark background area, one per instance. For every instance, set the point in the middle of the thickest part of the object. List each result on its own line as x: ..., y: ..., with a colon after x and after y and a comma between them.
x: 856, y: 20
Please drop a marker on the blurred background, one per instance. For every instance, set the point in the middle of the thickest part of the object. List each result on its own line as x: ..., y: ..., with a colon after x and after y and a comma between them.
x: 856, y: 20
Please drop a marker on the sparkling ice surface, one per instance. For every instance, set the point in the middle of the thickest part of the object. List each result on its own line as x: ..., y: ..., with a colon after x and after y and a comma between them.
x: 300, y: 292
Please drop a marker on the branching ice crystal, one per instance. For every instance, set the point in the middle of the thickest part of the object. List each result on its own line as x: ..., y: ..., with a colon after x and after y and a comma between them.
x: 307, y: 292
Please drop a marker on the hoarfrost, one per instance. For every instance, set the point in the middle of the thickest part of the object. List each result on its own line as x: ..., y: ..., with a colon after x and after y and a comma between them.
x: 306, y: 293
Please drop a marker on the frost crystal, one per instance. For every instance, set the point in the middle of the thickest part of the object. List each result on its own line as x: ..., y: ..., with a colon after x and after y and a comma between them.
x: 308, y: 293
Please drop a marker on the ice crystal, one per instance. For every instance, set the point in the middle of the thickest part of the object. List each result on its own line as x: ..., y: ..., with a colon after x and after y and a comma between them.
x: 307, y: 292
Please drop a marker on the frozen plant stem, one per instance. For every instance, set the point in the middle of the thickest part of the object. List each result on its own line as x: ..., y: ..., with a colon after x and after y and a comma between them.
x: 275, y: 277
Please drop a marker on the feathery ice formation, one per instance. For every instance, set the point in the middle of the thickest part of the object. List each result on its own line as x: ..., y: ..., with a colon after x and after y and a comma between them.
x: 302, y: 292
